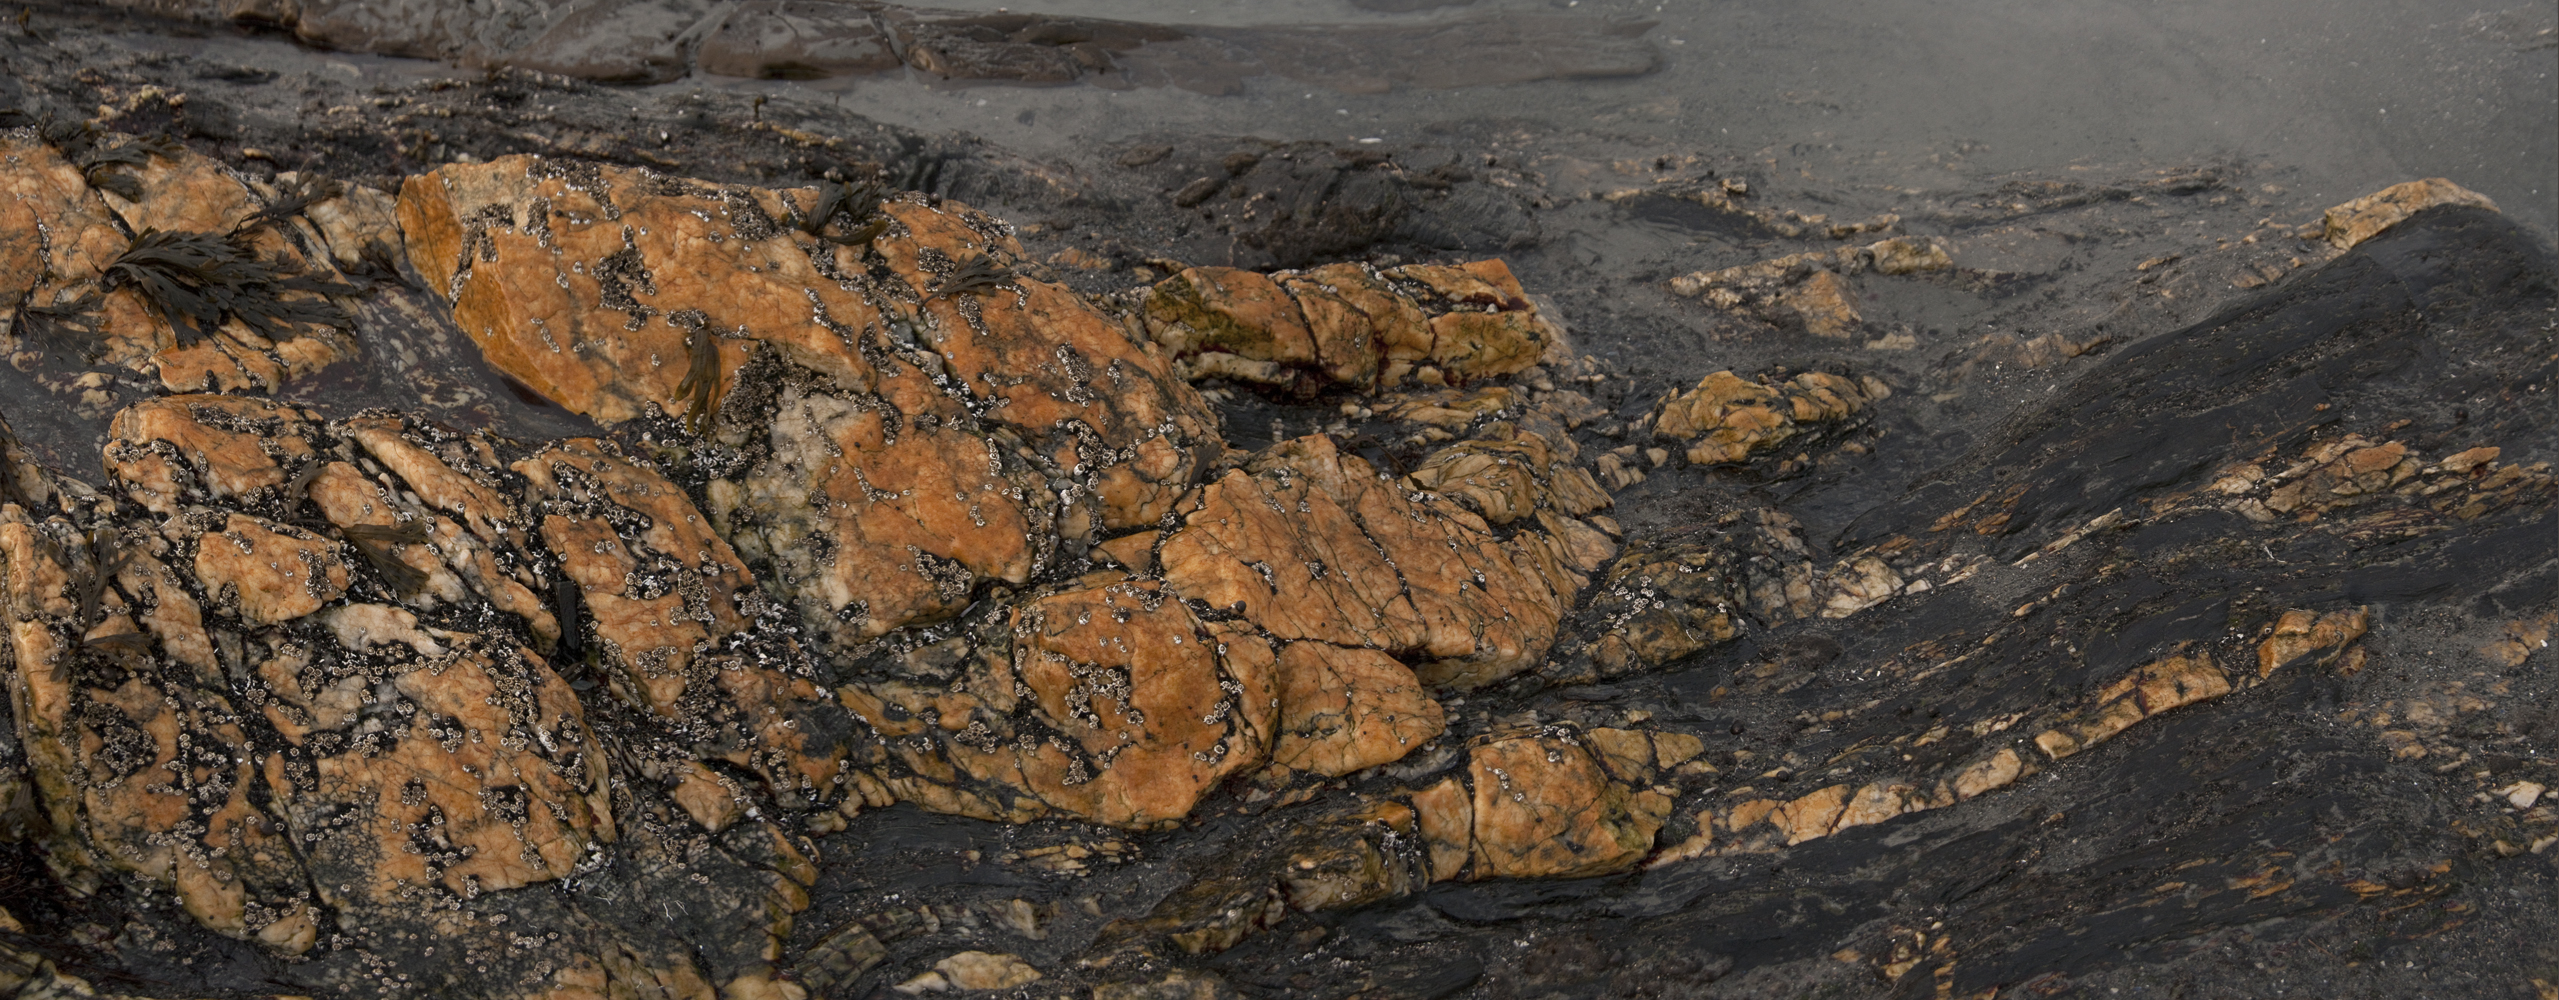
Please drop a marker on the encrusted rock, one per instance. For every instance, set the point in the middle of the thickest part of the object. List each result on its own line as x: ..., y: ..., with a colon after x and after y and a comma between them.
x: 196, y: 228
x: 1316, y: 545
x: 1342, y: 710
x: 1350, y: 325
x: 1727, y: 418
x: 622, y: 293
x: 1544, y: 807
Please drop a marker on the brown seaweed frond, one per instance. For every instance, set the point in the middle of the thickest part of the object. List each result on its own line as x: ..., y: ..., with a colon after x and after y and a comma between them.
x: 701, y: 383
x: 196, y: 281
x: 856, y: 203
x: 376, y: 542
x: 980, y: 274
x: 291, y: 200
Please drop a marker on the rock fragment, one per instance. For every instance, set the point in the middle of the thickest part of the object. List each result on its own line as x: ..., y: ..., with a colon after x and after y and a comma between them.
x: 1810, y: 290
x: 1727, y: 418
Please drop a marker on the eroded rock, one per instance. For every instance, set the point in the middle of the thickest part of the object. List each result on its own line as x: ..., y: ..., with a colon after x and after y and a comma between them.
x: 1350, y: 326
x: 1727, y: 418
x: 1810, y: 290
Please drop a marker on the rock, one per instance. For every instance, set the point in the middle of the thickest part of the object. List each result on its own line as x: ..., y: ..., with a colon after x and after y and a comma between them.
x: 1727, y: 418
x: 1506, y: 474
x: 2363, y: 218
x: 534, y: 254
x: 660, y: 585
x: 1350, y: 857
x: 97, y: 291
x: 51, y: 222
x: 1999, y: 771
x: 1175, y: 985
x: 1809, y: 290
x: 1672, y: 596
x: 1160, y: 706
x: 884, y: 524
x: 2300, y: 634
x: 267, y: 572
x: 1316, y: 546
x: 1350, y: 326
x: 616, y: 41
x: 2173, y: 682
x: 157, y: 775
x: 1342, y: 710
x: 1444, y: 816
x: 1543, y: 807
x: 978, y: 970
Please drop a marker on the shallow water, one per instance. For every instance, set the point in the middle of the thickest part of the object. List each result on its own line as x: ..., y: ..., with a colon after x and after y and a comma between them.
x: 2354, y: 95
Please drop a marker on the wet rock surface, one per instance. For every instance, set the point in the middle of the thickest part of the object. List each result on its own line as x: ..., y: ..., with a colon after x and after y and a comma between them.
x: 727, y: 579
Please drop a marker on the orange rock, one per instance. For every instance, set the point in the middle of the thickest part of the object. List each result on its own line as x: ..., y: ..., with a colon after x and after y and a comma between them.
x: 1729, y: 419
x: 879, y: 526
x: 2364, y: 218
x: 1544, y: 807
x: 1232, y: 311
x: 177, y: 450
x: 1160, y: 706
x: 1825, y: 305
x: 1626, y: 753
x: 656, y: 592
x: 56, y: 234
x: 1998, y: 771
x: 1349, y: 325
x: 1316, y: 546
x: 267, y: 572
x: 498, y: 750
x: 1813, y: 815
x: 1445, y: 816
x: 2300, y: 634
x: 1507, y: 474
x: 1342, y: 710
x: 596, y: 285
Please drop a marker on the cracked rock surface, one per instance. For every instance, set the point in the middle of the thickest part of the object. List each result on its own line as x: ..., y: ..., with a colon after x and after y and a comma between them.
x: 563, y: 576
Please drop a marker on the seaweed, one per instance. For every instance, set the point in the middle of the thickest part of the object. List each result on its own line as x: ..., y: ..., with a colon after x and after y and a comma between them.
x: 123, y: 642
x: 980, y: 274
x: 109, y: 557
x: 97, y: 166
x: 375, y: 542
x: 856, y: 203
x: 701, y: 383
x: 196, y: 281
x: 63, y: 324
x: 290, y: 200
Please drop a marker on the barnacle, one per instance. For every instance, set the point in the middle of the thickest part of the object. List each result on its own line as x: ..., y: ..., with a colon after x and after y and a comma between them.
x: 375, y: 542
x: 980, y: 274
x: 196, y: 281
x: 701, y: 383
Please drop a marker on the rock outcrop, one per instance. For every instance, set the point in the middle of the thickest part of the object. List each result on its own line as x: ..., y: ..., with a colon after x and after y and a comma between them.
x: 1350, y: 326
x: 873, y: 516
